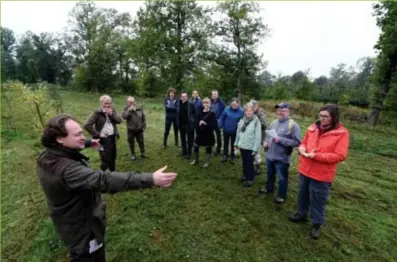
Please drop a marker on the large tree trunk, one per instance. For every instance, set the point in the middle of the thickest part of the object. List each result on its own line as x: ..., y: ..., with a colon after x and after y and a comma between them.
x: 384, y: 88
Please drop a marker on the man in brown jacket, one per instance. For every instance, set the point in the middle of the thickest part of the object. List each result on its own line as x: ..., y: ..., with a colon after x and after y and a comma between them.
x: 103, y: 125
x: 73, y: 190
x: 136, y: 125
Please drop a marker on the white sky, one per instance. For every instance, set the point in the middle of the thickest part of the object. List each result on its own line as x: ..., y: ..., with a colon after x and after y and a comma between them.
x: 315, y: 35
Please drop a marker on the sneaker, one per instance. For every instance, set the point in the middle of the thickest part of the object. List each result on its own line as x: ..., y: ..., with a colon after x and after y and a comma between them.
x: 263, y: 191
x: 233, y: 160
x: 224, y: 159
x: 143, y: 156
x: 163, y: 146
x: 279, y: 200
x: 242, y: 179
x: 217, y: 153
x: 296, y: 218
x: 133, y: 157
x: 315, y: 232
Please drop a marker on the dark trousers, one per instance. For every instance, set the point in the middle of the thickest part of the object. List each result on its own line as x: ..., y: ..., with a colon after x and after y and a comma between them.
x: 168, y: 123
x: 187, y: 133
x: 97, y: 256
x: 281, y: 169
x: 108, y: 153
x: 208, y: 149
x: 226, y: 138
x: 248, y: 164
x: 218, y: 140
x: 313, y: 194
x: 138, y: 136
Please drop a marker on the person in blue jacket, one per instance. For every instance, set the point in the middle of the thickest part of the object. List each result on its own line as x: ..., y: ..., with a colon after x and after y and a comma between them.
x: 217, y: 105
x: 171, y: 116
x: 228, y: 122
x: 198, y: 104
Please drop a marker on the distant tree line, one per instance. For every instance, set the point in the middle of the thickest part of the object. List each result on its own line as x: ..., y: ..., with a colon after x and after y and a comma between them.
x: 185, y: 45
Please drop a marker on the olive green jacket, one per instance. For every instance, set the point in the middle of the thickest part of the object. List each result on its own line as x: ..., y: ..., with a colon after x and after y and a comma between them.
x: 73, y: 192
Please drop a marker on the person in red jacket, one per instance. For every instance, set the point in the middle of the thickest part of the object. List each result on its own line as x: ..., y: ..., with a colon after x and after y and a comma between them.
x: 325, y: 144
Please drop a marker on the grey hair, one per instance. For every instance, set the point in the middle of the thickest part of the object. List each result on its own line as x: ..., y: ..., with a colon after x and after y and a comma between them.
x: 248, y: 105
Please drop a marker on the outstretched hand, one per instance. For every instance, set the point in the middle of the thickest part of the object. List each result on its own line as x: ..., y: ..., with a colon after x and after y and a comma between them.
x: 163, y: 179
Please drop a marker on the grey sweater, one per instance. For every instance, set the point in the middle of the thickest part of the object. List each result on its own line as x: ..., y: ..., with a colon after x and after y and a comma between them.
x: 288, y: 139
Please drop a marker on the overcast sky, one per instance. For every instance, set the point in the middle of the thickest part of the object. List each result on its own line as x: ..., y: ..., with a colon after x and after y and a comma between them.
x: 315, y: 35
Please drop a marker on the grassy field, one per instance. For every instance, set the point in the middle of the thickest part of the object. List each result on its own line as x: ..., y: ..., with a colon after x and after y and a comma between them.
x: 207, y: 215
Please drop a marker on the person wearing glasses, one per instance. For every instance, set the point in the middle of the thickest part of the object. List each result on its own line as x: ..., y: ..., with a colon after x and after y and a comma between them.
x: 324, y: 146
x: 136, y: 125
x: 284, y: 136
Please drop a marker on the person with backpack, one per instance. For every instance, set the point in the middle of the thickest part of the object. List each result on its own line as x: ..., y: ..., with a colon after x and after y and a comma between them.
x: 206, y: 124
x: 228, y: 123
x: 282, y: 136
x: 248, y: 141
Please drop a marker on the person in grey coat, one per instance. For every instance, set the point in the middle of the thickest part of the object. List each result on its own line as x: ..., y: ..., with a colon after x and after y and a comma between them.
x: 287, y: 135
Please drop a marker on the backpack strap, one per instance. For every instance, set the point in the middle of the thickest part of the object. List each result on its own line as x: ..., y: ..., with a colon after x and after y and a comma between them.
x: 291, y: 123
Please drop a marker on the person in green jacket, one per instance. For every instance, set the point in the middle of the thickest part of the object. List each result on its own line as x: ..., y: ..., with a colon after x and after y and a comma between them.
x: 248, y: 140
x: 73, y: 190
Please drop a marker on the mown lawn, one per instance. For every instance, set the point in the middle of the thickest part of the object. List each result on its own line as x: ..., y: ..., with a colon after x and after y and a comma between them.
x: 207, y: 215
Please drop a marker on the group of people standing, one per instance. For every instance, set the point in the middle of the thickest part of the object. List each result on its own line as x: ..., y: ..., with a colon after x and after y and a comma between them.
x: 246, y: 130
x: 73, y: 189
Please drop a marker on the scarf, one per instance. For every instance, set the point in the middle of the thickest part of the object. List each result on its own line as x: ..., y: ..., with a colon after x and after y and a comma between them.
x: 247, y: 121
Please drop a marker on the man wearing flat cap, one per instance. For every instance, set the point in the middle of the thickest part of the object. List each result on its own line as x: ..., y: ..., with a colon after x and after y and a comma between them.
x: 282, y: 136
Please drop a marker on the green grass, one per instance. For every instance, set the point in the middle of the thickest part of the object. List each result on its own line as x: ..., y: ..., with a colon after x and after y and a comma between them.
x: 207, y: 215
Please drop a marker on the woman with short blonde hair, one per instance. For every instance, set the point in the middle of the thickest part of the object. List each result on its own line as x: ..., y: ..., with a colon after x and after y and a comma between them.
x: 206, y: 124
x: 248, y: 140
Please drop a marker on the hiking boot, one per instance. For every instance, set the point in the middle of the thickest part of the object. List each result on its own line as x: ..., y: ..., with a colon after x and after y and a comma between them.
x: 207, y: 161
x: 196, y: 159
x: 224, y: 159
x: 279, y: 200
x: 296, y: 218
x: 315, y: 232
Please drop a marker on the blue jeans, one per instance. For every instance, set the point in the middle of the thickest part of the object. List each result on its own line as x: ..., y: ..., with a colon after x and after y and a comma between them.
x: 313, y: 194
x: 281, y: 169
x: 248, y: 164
